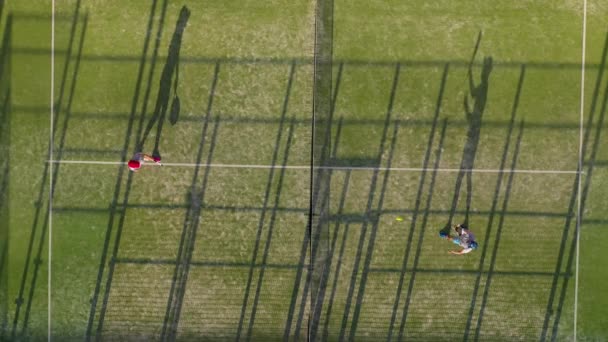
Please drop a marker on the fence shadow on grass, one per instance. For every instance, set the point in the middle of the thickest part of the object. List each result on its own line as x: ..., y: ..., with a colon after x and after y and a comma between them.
x: 372, y: 221
x: 325, y: 251
x: 425, y: 164
x: 115, y: 208
x: 5, y: 117
x: 191, y: 224
x: 262, y: 220
x: 589, y: 158
x: 64, y: 111
x: 492, y: 213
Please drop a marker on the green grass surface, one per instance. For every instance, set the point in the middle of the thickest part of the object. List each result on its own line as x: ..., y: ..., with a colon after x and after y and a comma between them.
x: 400, y: 75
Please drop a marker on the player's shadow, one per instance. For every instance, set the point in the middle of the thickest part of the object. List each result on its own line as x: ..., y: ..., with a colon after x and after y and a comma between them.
x: 168, y: 78
x: 474, y: 114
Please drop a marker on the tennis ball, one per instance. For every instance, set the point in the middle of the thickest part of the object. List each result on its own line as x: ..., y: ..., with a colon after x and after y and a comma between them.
x: 399, y: 218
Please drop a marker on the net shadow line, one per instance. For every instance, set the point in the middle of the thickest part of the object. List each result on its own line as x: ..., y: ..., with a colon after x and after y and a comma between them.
x: 236, y: 264
x: 471, y: 272
x: 271, y: 226
x: 43, y: 185
x: 494, y: 202
x: 410, y: 287
x: 425, y: 163
x: 122, y: 213
x: 368, y: 210
x: 318, y: 211
x: 267, y: 193
x: 189, y: 207
x: 501, y: 220
x: 323, y: 107
x: 341, y: 217
x: 584, y: 194
x: 205, y: 263
x: 260, y: 119
x: 171, y: 335
x: 308, y: 61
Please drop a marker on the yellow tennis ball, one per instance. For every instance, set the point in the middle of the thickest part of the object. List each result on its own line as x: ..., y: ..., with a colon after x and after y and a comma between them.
x: 399, y: 218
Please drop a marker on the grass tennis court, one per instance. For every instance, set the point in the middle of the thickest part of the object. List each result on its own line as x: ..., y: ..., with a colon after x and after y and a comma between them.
x: 305, y: 129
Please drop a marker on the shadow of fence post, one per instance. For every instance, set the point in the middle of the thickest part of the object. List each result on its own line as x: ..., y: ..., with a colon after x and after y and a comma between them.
x: 115, y: 207
x: 5, y: 123
x: 503, y: 214
x: 503, y: 162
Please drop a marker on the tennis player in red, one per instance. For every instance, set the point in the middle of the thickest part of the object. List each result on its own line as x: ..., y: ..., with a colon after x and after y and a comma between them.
x: 139, y: 160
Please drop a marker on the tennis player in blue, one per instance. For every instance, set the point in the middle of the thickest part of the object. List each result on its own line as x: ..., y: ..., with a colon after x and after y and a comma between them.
x: 463, y: 238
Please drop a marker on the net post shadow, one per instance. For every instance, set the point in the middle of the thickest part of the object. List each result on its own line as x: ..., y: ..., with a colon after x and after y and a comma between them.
x: 371, y: 215
x: 414, y: 270
x: 114, y: 205
x: 425, y: 163
x: 166, y: 81
x: 501, y: 220
x: 590, y: 163
x: 473, y: 115
x: 267, y: 193
x: 499, y: 180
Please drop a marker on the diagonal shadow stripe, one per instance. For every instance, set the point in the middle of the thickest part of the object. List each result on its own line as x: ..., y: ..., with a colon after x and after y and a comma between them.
x: 265, y: 203
x: 370, y: 200
x: 410, y: 287
x: 501, y: 220
x: 591, y: 164
x: 169, y: 311
x: 371, y: 244
x: 417, y: 204
x: 494, y: 203
x: 39, y: 204
x: 121, y: 172
x: 271, y: 226
x: 317, y: 229
x: 186, y: 258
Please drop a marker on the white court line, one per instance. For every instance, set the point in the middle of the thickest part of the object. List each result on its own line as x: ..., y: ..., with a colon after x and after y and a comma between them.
x: 335, y: 168
x: 51, y: 144
x: 580, y: 164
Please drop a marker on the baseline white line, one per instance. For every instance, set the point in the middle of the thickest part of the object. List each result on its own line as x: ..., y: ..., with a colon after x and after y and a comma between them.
x: 580, y: 164
x: 51, y: 146
x: 336, y: 168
